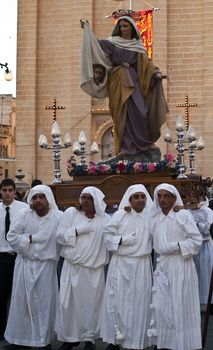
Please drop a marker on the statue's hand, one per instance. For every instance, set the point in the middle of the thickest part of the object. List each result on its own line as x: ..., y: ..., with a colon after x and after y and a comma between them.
x: 160, y: 76
x: 164, y: 76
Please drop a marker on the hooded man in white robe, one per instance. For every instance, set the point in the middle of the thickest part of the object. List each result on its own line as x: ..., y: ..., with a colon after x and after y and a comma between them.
x: 175, y: 322
x: 126, y: 314
x: 32, y: 236
x: 82, y: 280
x: 203, y: 217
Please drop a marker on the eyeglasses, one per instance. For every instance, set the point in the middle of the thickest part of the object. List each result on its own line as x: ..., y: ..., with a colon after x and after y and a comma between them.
x: 84, y: 198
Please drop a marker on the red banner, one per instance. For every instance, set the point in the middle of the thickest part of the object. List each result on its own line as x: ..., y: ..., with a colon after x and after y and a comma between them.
x: 144, y: 21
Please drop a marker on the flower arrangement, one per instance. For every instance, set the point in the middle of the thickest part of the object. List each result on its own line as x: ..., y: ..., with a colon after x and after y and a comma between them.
x: 120, y: 166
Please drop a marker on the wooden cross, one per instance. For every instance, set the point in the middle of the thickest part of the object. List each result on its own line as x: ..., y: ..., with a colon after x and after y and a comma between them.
x: 186, y: 105
x: 54, y: 107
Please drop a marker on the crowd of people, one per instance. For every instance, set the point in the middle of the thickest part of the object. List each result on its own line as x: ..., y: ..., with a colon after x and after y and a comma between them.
x: 126, y: 305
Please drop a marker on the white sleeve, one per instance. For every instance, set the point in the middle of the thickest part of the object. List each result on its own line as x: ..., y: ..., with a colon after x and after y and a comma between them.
x: 170, y: 248
x: 19, y: 241
x: 110, y: 233
x: 191, y: 244
x: 66, y: 233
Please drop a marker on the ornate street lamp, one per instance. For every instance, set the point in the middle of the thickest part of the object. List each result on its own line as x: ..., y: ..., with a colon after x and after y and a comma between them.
x: 7, y: 75
x: 184, y: 143
x: 79, y: 148
x: 56, y: 147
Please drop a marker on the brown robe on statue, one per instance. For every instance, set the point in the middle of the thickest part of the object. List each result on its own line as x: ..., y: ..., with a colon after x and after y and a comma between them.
x: 121, y: 87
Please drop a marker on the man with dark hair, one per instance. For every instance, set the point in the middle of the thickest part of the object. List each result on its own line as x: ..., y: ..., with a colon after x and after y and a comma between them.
x: 9, y: 209
x: 36, y: 182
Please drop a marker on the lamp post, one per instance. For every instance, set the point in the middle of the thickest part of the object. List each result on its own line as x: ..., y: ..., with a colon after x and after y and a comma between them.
x: 192, y: 146
x: 7, y: 75
x: 79, y: 148
x: 56, y: 147
x: 180, y: 148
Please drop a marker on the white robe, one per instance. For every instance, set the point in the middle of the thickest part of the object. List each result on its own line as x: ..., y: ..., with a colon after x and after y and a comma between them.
x: 204, y: 259
x: 32, y: 314
x: 175, y: 305
x: 82, y: 280
x: 126, y: 313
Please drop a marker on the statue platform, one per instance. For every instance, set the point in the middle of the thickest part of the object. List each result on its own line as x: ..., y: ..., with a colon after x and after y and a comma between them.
x: 113, y: 186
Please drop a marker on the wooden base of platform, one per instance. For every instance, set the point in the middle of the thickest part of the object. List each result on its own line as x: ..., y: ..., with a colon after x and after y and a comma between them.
x: 113, y: 186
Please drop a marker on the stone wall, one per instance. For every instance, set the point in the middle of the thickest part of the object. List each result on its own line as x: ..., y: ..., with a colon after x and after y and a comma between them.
x: 48, y: 66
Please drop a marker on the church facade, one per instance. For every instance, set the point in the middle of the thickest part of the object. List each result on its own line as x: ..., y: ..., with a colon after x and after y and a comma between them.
x: 48, y: 68
x: 7, y: 135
